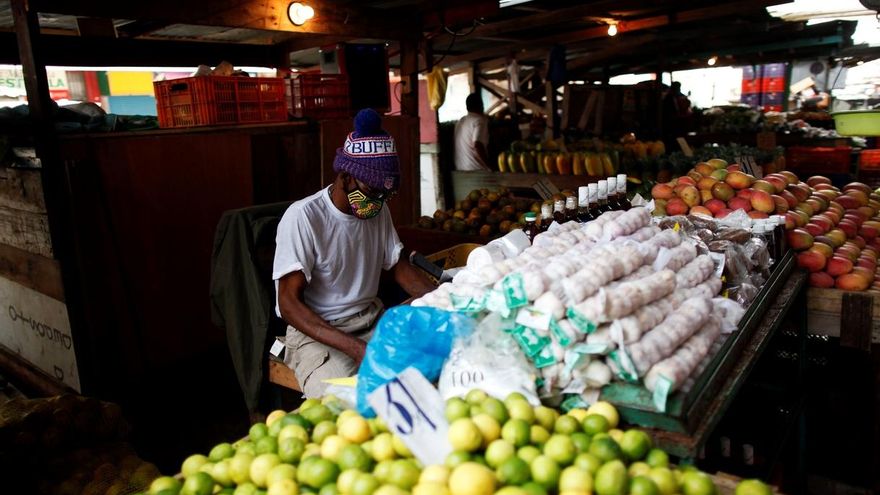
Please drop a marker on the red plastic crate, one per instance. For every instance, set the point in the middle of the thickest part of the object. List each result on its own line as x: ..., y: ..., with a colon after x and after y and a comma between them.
x: 773, y: 84
x: 819, y: 160
x: 772, y: 108
x: 751, y: 86
x: 869, y: 160
x: 219, y: 100
x: 319, y: 96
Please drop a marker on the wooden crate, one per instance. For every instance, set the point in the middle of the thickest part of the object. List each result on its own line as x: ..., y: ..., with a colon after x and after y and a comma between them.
x: 852, y: 316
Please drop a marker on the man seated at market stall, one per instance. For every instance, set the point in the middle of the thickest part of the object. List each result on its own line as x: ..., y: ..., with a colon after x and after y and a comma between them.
x: 331, y: 249
x: 472, y: 137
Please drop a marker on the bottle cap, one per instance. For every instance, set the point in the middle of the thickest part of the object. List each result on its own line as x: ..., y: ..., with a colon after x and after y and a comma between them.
x: 603, y: 188
x: 530, y: 216
x: 621, y: 183
x: 612, y: 184
x: 583, y: 195
x: 570, y: 202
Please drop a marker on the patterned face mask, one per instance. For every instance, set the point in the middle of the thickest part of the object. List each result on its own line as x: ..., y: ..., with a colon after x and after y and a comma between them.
x: 362, y: 206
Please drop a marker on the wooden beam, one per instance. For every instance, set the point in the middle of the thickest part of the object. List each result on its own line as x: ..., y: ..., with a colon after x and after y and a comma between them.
x: 504, y: 93
x: 27, y: 30
x: 409, y: 74
x: 336, y: 18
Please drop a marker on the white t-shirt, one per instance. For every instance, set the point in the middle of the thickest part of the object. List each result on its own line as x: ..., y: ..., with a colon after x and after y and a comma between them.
x: 340, y: 255
x: 471, y: 128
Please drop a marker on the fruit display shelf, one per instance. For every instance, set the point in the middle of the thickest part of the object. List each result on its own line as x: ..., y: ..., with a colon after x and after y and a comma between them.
x: 852, y: 316
x: 691, y: 416
x: 464, y: 182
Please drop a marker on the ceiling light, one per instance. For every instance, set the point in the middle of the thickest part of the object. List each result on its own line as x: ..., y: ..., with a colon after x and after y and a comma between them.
x: 612, y: 29
x: 299, y: 13
x: 712, y: 60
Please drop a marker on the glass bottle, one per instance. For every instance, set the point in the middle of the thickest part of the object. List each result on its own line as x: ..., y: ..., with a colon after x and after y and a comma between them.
x: 531, y: 228
x: 583, y: 213
x: 593, y: 190
x: 570, y: 208
x: 559, y: 211
x: 546, y: 216
x: 603, y: 196
x: 622, y: 198
x: 612, y: 193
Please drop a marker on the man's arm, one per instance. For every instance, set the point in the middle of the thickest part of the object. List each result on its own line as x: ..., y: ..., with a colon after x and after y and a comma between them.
x: 411, y: 279
x: 298, y: 314
x: 482, y: 153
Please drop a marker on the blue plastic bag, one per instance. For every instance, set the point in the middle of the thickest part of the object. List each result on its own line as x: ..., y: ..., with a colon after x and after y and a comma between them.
x: 405, y: 336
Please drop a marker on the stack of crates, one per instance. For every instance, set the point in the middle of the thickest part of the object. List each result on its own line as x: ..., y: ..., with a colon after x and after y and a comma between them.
x: 763, y: 86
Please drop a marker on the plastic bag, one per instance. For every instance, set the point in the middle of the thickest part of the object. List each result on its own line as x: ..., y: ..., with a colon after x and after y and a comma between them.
x: 406, y: 336
x: 490, y: 360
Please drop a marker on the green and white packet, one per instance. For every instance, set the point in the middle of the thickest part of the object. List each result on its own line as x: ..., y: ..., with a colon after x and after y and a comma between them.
x: 545, y: 357
x: 558, y: 333
x: 532, y: 318
x: 514, y: 291
x: 574, y: 401
x: 468, y: 304
x: 529, y: 340
x: 626, y: 371
x: 497, y: 303
x: 580, y: 322
x: 661, y: 393
x: 593, y: 349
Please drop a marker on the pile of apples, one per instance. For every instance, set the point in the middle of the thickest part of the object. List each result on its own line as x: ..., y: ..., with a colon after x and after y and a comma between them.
x: 716, y: 188
x: 837, y: 235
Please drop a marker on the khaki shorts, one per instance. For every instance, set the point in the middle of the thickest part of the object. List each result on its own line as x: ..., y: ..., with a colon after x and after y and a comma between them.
x: 313, y: 362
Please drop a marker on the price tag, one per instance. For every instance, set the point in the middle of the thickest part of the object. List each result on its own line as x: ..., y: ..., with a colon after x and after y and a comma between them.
x: 685, y: 147
x: 413, y: 410
x: 277, y: 348
x: 545, y: 188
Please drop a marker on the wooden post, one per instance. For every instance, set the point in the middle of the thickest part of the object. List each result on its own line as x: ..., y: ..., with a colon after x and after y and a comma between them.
x: 511, y: 91
x: 409, y: 76
x: 54, y: 178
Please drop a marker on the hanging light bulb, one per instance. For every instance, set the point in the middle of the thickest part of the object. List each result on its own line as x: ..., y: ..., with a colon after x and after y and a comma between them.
x: 612, y: 29
x: 299, y: 13
x: 712, y: 60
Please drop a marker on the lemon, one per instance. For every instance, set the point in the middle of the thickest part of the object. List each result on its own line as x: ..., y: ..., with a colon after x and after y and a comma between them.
x: 323, y: 430
x: 400, y: 448
x: 355, y: 429
x: 346, y: 479
x: 489, y: 428
x: 464, y: 435
x: 514, y: 397
x: 283, y: 487
x: 383, y: 470
x: 664, y: 479
x: 605, y: 409
x: 245, y: 489
x: 752, y: 487
x: 511, y: 490
x: 293, y: 431
x: 513, y: 471
x: 332, y: 446
x: 430, y: 489
x: 240, y: 468
x: 311, y: 450
x: 457, y: 408
x: 577, y: 413
x: 221, y: 474
x: 164, y: 483
x: 561, y: 449
x: 616, y: 434
x: 434, y: 474
x: 545, y: 471
x: 457, y: 457
x: 261, y: 466
x: 470, y: 478
x: 575, y: 479
x: 499, y: 451
x: 192, y: 464
x: 280, y: 472
x: 538, y: 435
x: 390, y: 490
x: 207, y: 467
x: 309, y: 403
x: 638, y: 469
x: 546, y: 417
x: 383, y: 447
x: 533, y: 488
x: 611, y: 479
x: 274, y: 416
x: 344, y: 415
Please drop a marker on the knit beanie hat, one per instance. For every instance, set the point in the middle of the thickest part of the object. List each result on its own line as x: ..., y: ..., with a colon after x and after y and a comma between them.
x: 369, y: 153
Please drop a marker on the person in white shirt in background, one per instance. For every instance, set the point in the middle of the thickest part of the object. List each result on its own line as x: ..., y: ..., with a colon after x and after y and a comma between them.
x: 331, y: 248
x: 472, y: 137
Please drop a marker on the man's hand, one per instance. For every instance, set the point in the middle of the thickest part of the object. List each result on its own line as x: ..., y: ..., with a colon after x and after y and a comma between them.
x: 299, y: 315
x: 414, y: 281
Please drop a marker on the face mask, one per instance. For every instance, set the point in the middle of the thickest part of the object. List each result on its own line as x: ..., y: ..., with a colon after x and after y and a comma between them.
x: 362, y: 206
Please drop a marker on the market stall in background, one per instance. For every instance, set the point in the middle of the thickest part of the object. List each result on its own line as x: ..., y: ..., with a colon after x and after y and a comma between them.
x: 668, y: 267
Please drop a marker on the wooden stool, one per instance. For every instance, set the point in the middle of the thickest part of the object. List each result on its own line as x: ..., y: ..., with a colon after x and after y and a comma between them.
x: 281, y: 375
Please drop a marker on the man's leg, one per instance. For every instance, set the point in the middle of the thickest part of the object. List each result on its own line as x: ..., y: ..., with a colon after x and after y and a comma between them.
x: 318, y: 363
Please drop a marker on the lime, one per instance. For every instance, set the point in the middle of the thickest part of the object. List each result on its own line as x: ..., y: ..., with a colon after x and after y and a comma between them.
x: 383, y: 447
x: 476, y: 396
x: 318, y: 472
x: 435, y: 474
x: 528, y: 453
x: 577, y: 413
x: 752, y: 487
x: 470, y: 478
x: 561, y: 449
x: 323, y: 430
x: 221, y: 474
x: 457, y: 457
x: 198, y: 484
x: 247, y: 448
x: 538, y: 435
x: 581, y: 441
x: 638, y: 469
x: 258, y: 431
x: 346, y: 480
x: 291, y: 449
x: 489, y: 428
x: 498, y: 452
x: 332, y: 446
x: 329, y: 490
x: 348, y: 413
x: 697, y: 483
x: 635, y: 444
x: 464, y: 435
x: 245, y: 489
x: 479, y: 459
x: 283, y: 487
x: 476, y: 409
x: 616, y: 434
x: 513, y: 471
x: 588, y: 462
x: 207, y: 467
x: 293, y: 431
x: 606, y: 449
x: 354, y: 457
x: 611, y: 479
x: 383, y: 470
x: 266, y: 445
x: 355, y: 429
x: 605, y: 409
x: 457, y: 408
x: 566, y: 425
x: 311, y: 450
x: 308, y: 403
x: 514, y: 397
x: 533, y: 488
x: 221, y: 451
x: 643, y: 485
x: 430, y: 489
x: 546, y: 417
x: 240, y: 468
x: 296, y: 419
x: 280, y: 472
x: 664, y: 479
x: 545, y: 471
x: 261, y: 466
x: 657, y: 458
x: 495, y: 408
x: 400, y: 448
x: 516, y: 431
x: 595, y: 423
x: 521, y: 410
x: 390, y: 490
x: 364, y: 484
x: 316, y: 414
x: 575, y: 479
x: 511, y: 490
x: 274, y: 428
x: 274, y: 416
x: 192, y: 464
x: 164, y: 483
x: 404, y: 474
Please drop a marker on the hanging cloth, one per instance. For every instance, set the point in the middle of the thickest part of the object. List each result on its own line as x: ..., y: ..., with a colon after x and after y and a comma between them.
x: 436, y: 87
